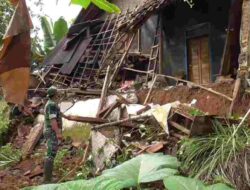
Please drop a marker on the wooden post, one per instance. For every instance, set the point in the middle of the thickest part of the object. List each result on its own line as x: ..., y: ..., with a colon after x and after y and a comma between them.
x: 244, y: 58
x: 150, y: 91
x: 104, y: 91
x: 161, y: 44
x: 235, y: 95
x: 139, y: 40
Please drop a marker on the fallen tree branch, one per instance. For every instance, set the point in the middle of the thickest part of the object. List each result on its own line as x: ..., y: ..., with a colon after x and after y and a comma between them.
x: 120, y: 122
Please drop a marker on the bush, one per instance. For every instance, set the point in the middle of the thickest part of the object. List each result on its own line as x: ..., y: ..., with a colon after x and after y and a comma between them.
x: 4, y: 120
x: 9, y: 156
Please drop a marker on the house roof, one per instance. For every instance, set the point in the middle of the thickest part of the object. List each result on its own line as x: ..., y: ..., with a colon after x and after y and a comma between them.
x: 91, y: 41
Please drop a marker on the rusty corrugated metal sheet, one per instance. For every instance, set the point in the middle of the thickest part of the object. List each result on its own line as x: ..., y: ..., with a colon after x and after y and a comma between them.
x: 67, y: 68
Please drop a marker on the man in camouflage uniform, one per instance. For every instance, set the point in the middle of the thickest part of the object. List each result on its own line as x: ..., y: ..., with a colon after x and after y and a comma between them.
x: 52, y: 132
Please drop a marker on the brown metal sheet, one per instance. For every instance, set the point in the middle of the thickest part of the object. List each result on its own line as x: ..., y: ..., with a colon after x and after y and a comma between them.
x: 68, y: 67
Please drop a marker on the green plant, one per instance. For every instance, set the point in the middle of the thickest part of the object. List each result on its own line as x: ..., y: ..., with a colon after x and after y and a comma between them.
x: 86, y: 170
x: 196, y: 112
x: 141, y: 169
x: 53, y: 32
x: 58, y: 162
x: 6, y: 11
x: 185, y: 183
x: 206, y: 156
x: 9, y: 156
x: 4, y: 120
x: 102, y: 4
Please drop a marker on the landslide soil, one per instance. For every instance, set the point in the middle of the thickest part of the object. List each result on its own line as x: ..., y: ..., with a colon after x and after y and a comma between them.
x: 206, y: 101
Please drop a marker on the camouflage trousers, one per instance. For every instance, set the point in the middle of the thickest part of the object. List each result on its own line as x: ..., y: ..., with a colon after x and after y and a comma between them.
x: 52, y: 143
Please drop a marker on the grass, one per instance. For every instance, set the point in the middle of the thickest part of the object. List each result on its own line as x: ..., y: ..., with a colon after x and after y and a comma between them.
x: 203, y: 157
x: 78, y: 133
x: 9, y: 156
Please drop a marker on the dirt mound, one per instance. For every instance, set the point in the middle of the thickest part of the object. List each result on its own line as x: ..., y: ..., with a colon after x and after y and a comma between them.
x: 206, y: 101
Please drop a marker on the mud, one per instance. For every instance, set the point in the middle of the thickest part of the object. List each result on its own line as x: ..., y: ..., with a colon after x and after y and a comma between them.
x: 206, y: 101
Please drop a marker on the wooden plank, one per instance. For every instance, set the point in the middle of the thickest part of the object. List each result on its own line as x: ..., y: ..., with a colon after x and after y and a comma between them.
x: 179, y: 127
x: 33, y: 138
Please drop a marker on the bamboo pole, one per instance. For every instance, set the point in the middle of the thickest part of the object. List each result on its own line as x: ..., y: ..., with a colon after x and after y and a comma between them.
x: 104, y: 91
x: 199, y: 86
x: 150, y: 90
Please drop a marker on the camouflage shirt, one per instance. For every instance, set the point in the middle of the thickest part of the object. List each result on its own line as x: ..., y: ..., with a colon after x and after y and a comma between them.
x: 52, y: 111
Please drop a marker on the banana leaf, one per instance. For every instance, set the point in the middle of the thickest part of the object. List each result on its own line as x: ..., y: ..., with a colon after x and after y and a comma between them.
x: 106, y: 6
x: 49, y: 41
x: 84, y: 3
x: 60, y: 29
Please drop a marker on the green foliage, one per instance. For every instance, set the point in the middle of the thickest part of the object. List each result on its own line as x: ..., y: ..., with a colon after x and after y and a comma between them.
x: 9, y: 156
x: 185, y: 183
x: 53, y: 33
x: 202, y: 156
x: 4, y: 120
x: 58, y: 162
x: 86, y: 170
x: 84, y: 3
x: 141, y: 169
x: 6, y: 11
x: 102, y: 4
x: 49, y: 42
x: 60, y: 29
x: 196, y: 112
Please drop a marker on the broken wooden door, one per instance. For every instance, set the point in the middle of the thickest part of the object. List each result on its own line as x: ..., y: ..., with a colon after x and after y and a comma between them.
x: 199, y: 60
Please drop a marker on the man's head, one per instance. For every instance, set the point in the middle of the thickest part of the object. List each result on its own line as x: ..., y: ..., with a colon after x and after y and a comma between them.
x: 51, y: 92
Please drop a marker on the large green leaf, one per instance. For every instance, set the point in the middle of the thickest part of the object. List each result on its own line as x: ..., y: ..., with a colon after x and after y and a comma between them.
x: 141, y: 169
x: 185, y: 183
x: 218, y: 186
x: 102, y: 4
x: 49, y: 42
x: 83, y: 3
x: 60, y: 29
x: 106, y: 6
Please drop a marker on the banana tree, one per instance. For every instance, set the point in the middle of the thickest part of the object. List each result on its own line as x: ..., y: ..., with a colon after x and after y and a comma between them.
x: 53, y: 32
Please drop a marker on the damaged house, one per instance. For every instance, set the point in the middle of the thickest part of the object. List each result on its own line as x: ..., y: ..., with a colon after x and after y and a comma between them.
x: 157, y: 36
